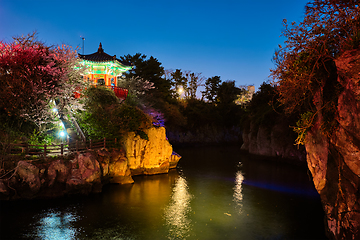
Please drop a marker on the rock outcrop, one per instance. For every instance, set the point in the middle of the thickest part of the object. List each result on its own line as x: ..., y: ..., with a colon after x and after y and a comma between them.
x: 151, y: 156
x: 334, y: 161
x: 87, y: 172
x: 274, y: 141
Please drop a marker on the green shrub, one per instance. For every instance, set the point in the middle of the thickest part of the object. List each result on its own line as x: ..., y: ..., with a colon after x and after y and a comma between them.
x: 105, y: 116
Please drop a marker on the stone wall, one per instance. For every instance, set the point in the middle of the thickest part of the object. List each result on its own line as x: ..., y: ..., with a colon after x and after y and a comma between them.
x: 87, y: 172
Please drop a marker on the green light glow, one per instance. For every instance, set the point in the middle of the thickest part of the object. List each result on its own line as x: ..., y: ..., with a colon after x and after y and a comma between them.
x: 113, y: 68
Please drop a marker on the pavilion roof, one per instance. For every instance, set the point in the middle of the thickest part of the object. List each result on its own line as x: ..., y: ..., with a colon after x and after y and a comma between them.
x: 101, y: 56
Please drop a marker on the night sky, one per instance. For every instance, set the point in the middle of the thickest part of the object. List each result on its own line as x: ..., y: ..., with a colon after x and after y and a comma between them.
x: 235, y: 40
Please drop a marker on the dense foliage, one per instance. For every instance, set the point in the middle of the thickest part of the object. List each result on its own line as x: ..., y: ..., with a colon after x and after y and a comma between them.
x: 152, y: 71
x: 263, y: 108
x: 105, y: 116
x: 174, y: 95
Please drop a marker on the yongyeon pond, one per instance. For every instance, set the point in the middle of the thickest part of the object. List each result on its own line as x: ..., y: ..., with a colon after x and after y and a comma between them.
x: 216, y: 193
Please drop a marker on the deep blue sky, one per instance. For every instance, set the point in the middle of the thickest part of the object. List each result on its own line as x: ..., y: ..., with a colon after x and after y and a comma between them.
x: 231, y: 39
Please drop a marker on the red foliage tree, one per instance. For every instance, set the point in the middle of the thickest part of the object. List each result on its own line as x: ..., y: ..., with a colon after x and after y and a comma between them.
x: 305, y: 67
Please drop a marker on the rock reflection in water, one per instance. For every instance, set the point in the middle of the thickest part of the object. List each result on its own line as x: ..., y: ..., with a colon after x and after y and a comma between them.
x: 238, y: 195
x: 176, y: 213
x: 56, y: 225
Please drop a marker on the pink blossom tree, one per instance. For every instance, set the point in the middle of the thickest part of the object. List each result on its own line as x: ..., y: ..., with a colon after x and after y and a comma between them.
x: 33, y: 75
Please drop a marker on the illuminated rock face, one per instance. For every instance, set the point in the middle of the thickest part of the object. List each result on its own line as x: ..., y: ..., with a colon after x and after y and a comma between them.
x: 114, y: 166
x: 88, y: 172
x: 334, y: 161
x: 151, y: 156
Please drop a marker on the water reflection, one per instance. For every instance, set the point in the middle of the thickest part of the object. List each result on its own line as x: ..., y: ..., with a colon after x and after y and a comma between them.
x: 56, y: 225
x: 238, y: 195
x: 176, y: 213
x: 212, y: 198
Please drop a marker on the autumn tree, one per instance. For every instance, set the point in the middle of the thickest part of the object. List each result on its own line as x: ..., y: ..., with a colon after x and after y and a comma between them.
x: 304, y: 66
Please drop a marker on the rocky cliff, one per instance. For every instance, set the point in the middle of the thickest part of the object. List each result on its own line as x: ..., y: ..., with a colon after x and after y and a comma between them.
x: 272, y: 141
x: 87, y: 172
x: 148, y: 156
x: 334, y: 161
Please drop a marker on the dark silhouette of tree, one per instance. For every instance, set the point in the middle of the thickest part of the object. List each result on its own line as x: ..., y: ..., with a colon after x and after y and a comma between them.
x: 195, y: 80
x: 227, y: 93
x: 180, y: 81
x: 211, y: 88
x: 186, y: 83
x: 150, y: 70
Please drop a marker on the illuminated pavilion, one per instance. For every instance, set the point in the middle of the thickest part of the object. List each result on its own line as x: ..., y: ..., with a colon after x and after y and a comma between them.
x: 104, y: 69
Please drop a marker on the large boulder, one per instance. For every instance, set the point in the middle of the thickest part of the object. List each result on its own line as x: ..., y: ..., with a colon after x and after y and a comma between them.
x: 57, y: 172
x: 29, y: 182
x: 85, y: 174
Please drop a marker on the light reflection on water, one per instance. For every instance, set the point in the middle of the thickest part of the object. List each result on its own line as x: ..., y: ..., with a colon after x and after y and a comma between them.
x: 56, y: 225
x: 238, y: 195
x: 210, y: 197
x: 176, y: 214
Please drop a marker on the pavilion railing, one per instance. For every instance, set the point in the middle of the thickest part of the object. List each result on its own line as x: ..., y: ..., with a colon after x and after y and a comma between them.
x: 119, y: 92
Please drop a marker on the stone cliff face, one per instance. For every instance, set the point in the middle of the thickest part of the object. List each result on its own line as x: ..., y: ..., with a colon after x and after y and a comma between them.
x: 275, y: 141
x: 334, y: 161
x: 88, y: 172
x: 148, y: 156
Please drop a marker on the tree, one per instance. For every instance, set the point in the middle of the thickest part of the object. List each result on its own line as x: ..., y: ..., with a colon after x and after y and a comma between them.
x: 307, y: 59
x: 195, y: 80
x: 152, y: 71
x: 264, y: 108
x: 186, y: 82
x: 305, y: 70
x: 227, y: 92
x: 137, y: 88
x: 104, y: 116
x: 180, y: 82
x: 32, y: 75
x: 211, y: 88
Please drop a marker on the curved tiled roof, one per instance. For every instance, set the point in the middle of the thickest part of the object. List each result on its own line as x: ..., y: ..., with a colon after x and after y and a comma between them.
x: 101, y: 56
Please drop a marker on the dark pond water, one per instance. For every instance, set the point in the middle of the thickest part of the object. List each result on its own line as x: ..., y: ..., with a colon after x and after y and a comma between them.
x: 217, y: 193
